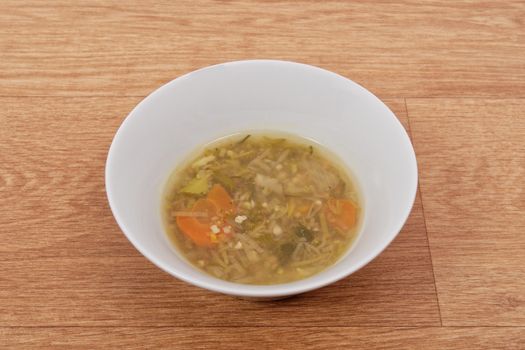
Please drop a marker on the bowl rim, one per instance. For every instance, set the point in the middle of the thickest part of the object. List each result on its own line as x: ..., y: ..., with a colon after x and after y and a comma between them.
x: 247, y: 290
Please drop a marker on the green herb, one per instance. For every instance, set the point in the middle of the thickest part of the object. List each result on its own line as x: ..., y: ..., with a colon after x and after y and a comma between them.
x: 303, y: 232
x: 244, y: 138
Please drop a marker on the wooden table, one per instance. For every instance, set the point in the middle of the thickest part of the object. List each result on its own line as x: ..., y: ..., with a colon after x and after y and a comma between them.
x: 454, y: 74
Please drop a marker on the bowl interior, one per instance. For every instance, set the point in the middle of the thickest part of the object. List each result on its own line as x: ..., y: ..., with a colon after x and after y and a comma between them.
x: 260, y: 95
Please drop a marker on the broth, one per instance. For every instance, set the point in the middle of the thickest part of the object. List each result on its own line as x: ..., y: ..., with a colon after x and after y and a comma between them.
x: 262, y: 209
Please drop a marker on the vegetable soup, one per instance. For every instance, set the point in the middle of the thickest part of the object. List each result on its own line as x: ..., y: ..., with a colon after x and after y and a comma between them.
x: 262, y: 209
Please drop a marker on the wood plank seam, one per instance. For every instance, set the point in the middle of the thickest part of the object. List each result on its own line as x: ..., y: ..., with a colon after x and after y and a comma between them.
x: 419, y: 193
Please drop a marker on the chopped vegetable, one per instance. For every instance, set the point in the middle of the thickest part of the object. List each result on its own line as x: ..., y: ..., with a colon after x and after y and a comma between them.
x: 203, y: 161
x: 198, y: 228
x: 197, y: 185
x: 341, y: 213
x: 220, y: 197
x: 303, y: 232
x: 205, y: 206
x: 245, y: 138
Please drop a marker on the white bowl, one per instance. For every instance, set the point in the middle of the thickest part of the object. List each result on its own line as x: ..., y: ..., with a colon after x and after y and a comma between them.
x: 260, y: 95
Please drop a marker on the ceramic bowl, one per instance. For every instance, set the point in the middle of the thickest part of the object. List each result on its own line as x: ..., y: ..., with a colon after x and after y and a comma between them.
x: 201, y: 106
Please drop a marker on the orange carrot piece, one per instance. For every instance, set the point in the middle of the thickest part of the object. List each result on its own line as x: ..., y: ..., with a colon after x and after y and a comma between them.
x: 341, y: 213
x: 217, y: 202
x: 192, y: 228
x: 196, y: 228
x: 204, y: 205
x: 220, y: 197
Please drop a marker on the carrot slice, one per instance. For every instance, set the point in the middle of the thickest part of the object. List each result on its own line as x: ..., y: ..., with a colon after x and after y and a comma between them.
x: 220, y: 197
x: 341, y: 213
x: 192, y: 228
x: 198, y: 229
x: 205, y: 206
x: 217, y: 202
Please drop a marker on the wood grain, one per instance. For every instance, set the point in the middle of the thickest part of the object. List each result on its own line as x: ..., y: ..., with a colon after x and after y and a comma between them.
x: 71, y: 71
x: 72, y: 256
x: 472, y: 166
x: 403, y: 49
x: 52, y: 155
x: 438, y: 338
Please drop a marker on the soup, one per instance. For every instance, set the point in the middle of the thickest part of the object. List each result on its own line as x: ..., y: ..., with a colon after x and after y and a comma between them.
x: 262, y: 209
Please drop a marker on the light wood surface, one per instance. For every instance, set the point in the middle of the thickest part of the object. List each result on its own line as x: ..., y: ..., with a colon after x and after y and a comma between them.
x: 453, y: 73
x: 472, y: 177
x: 434, y: 338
